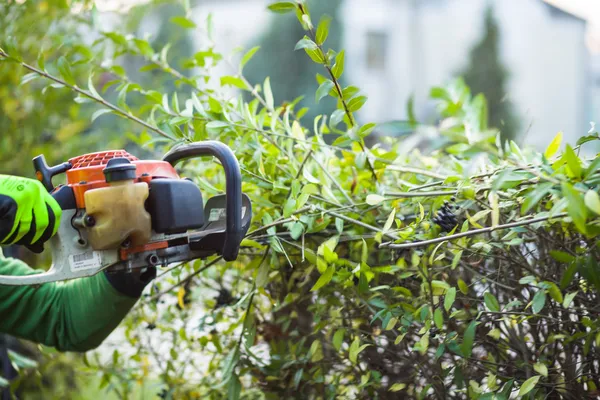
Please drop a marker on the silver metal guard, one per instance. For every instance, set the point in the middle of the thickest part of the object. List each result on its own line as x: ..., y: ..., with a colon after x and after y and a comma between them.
x: 72, y: 257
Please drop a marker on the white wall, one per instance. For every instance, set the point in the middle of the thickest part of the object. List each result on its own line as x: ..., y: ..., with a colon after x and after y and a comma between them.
x: 431, y: 39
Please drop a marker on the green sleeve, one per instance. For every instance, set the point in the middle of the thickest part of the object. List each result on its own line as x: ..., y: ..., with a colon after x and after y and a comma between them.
x: 75, y: 315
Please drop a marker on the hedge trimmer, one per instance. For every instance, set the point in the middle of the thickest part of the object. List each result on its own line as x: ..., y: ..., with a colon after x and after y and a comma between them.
x: 121, y: 213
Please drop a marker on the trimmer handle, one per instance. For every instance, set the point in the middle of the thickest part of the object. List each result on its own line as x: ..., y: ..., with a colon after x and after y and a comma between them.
x: 234, y: 230
x: 44, y: 172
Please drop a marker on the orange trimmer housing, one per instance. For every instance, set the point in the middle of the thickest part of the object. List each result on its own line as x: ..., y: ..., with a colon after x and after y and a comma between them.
x: 86, y: 171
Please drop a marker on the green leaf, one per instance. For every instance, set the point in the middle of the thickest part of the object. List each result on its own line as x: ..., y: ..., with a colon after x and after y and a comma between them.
x: 316, y: 351
x: 99, y: 113
x: 438, y: 318
x: 339, y: 225
x: 338, y: 338
x: 573, y: 162
x: 324, y: 89
x: 553, y: 146
x: 282, y: 7
x: 592, y: 168
x: 28, y: 78
x: 449, y: 298
x: 541, y: 369
x: 355, y: 349
x: 561, y: 256
x: 396, y: 387
x: 338, y: 67
x: 366, y: 129
x: 324, y: 279
x: 439, y: 287
x: 390, y: 221
x: 463, y: 286
x: 468, y: 339
x: 234, y: 388
x: 538, y: 302
x: 216, y: 125
x: 374, y: 199
x: 569, y: 299
x: 554, y: 292
x: 268, y: 94
x: 183, y: 22
x: 262, y: 276
x: 305, y: 43
x: 4, y: 382
x: 495, y: 333
x: 391, y: 324
x: 592, y: 201
x: 575, y: 206
x: 234, y: 81
x: 323, y: 29
x: 533, y: 198
x: 491, y: 302
x: 356, y: 103
x: 316, y: 55
x: 289, y: 207
x: 144, y: 47
x: 65, y: 70
x: 92, y: 89
x: 528, y: 385
x: 248, y: 56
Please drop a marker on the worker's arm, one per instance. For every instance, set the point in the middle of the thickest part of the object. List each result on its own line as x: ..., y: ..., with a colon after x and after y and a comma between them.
x: 75, y: 315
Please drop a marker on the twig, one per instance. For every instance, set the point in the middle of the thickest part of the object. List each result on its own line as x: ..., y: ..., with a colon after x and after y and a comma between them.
x: 339, y: 91
x: 423, y: 194
x: 335, y: 182
x: 91, y: 96
x: 416, y: 171
x: 359, y: 223
x: 469, y: 233
x: 188, y: 278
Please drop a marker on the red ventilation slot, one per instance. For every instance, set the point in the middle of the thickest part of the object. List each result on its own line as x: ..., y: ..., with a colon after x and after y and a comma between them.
x: 98, y: 159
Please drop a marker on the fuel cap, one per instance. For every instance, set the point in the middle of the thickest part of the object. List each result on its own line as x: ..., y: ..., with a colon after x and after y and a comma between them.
x: 119, y: 169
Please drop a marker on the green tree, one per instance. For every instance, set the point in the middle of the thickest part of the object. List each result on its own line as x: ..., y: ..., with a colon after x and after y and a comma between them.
x: 486, y: 74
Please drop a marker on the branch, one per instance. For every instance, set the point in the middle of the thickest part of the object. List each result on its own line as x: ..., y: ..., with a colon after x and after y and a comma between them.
x: 469, y: 233
x: 87, y: 94
x: 338, y: 89
x: 415, y: 171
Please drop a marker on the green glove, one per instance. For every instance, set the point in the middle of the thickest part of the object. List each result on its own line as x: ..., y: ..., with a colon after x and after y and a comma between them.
x: 28, y: 213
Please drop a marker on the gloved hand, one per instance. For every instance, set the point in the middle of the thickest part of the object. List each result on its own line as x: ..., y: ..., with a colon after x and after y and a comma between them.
x: 29, y: 215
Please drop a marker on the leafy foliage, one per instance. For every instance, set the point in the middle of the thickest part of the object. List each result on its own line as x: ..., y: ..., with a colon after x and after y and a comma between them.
x: 345, y: 287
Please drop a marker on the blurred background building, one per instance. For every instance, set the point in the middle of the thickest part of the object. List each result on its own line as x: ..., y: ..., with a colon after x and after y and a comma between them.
x: 537, y: 61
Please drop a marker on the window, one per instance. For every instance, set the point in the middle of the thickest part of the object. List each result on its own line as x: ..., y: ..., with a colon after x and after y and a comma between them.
x: 376, y: 50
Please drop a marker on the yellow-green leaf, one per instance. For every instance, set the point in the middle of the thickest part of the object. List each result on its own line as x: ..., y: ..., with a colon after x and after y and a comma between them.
x: 449, y: 298
x: 541, y: 369
x: 323, y: 29
x: 324, y: 279
x: 355, y: 349
x: 463, y: 286
x: 491, y: 302
x: 528, y: 385
x: 573, y: 162
x: 592, y: 201
x: 554, y: 145
x: 396, y: 387
x: 338, y: 338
